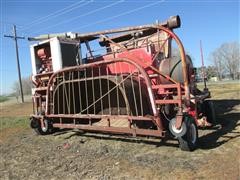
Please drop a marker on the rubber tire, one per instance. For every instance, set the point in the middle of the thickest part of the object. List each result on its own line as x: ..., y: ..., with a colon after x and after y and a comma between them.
x: 209, y: 112
x: 185, y: 142
x: 38, y: 129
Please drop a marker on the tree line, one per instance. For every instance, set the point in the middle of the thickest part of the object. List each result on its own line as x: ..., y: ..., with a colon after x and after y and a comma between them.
x: 226, y: 62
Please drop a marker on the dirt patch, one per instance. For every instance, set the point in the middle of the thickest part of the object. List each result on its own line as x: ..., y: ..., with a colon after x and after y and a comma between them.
x: 19, y: 109
x: 77, y: 155
x: 73, y: 155
x: 6, y: 133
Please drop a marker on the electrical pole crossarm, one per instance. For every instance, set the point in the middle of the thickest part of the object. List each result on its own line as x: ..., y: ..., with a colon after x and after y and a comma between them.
x: 18, y: 37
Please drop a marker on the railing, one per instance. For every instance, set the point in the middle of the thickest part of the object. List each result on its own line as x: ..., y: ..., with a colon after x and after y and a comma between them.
x: 111, y: 87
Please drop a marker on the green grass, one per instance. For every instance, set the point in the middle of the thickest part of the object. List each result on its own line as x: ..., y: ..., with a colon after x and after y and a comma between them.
x: 3, y: 98
x: 14, y: 122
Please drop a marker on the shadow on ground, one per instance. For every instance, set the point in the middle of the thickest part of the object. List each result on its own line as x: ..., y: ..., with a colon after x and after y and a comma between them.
x: 228, y: 119
x: 117, y: 137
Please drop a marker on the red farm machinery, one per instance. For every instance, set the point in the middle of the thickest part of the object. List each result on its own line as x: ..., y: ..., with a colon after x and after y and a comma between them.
x: 121, y: 81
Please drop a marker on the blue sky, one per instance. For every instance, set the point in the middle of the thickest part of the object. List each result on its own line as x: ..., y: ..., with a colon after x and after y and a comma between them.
x: 213, y: 22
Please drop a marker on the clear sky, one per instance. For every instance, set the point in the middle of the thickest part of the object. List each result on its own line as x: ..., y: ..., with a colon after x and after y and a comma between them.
x: 213, y: 22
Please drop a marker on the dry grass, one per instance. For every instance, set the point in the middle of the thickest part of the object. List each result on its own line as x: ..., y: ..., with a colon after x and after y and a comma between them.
x: 14, y: 117
x: 16, y: 110
x: 3, y: 98
x: 223, y: 90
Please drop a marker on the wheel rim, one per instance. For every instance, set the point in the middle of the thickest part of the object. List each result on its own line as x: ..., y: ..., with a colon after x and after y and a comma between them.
x: 44, y: 129
x: 193, y: 133
x: 177, y: 131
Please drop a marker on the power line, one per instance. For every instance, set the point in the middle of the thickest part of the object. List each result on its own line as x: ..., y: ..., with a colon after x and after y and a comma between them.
x: 56, y: 13
x: 83, y: 15
x: 43, y: 18
x: 9, y: 23
x: 122, y: 14
x: 8, y: 70
x: 15, y: 38
x: 57, y: 1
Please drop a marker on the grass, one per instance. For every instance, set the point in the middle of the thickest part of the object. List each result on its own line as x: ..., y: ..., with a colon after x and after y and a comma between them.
x: 3, y: 98
x: 13, y: 122
x: 223, y: 90
x: 12, y: 126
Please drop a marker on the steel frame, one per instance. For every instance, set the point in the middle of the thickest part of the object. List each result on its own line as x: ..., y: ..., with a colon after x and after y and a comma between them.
x: 182, y: 92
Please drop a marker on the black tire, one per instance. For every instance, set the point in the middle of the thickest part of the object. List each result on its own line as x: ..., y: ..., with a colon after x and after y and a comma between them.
x: 189, y: 141
x: 209, y: 112
x: 36, y: 125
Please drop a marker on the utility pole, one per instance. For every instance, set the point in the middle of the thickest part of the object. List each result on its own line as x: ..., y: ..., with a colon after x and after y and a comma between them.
x: 203, y: 68
x: 15, y: 38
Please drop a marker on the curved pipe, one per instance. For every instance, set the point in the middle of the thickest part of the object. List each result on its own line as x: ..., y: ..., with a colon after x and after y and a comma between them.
x: 183, y: 59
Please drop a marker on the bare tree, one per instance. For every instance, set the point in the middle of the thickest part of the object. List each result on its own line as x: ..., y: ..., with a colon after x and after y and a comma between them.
x: 210, y: 72
x: 231, y: 53
x: 26, y: 84
x: 218, y: 63
x: 226, y: 59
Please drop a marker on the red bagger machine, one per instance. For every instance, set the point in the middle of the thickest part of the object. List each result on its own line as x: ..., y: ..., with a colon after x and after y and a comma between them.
x: 124, y: 81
